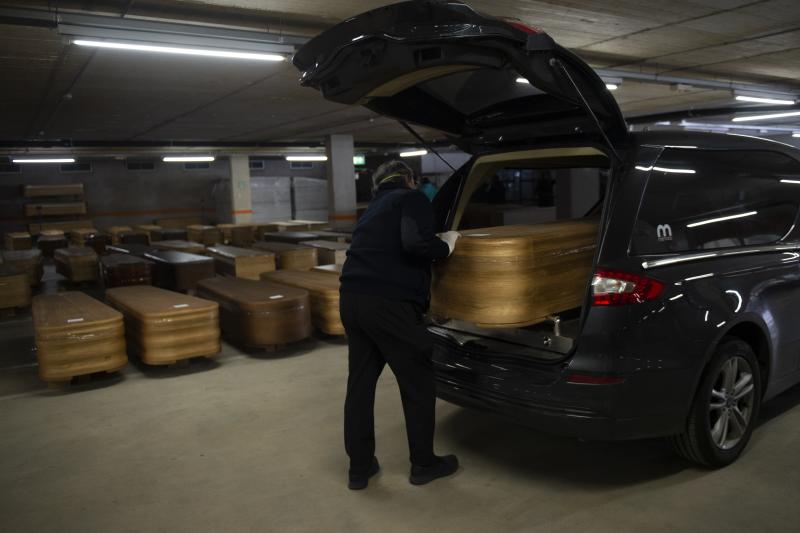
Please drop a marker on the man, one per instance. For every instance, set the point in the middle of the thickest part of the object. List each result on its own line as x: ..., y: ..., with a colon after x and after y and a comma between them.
x: 385, y: 291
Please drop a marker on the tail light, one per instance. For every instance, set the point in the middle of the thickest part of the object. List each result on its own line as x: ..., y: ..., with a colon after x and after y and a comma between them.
x: 612, y: 287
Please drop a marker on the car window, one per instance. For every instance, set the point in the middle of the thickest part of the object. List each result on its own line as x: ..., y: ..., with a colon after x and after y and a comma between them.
x: 698, y: 200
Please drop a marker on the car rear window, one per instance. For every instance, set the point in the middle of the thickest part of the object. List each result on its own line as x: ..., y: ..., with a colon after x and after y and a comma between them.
x: 699, y: 200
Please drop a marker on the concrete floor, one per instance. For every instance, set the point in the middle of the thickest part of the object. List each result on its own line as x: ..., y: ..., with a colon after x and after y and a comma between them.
x: 253, y: 443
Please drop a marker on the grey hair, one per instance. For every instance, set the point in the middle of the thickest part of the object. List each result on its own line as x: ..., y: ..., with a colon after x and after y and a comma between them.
x: 394, y: 171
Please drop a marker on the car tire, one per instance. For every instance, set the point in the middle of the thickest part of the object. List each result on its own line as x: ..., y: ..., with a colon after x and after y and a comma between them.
x: 725, y: 408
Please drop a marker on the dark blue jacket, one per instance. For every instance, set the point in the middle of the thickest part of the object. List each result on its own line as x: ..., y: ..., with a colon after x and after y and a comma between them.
x: 393, y: 247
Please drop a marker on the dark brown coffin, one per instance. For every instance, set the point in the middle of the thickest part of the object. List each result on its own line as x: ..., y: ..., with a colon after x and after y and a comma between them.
x: 290, y: 256
x: 241, y: 262
x: 28, y: 261
x: 98, y: 242
x: 121, y: 270
x: 50, y: 240
x: 134, y: 237
x: 76, y: 263
x: 168, y: 234
x: 18, y: 240
x: 292, y: 237
x: 258, y: 313
x: 179, y: 271
x: 152, y: 231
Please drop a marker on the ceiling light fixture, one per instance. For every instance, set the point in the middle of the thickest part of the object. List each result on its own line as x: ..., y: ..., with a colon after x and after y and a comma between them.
x: 188, y: 159
x: 797, y: 134
x: 24, y: 160
x: 413, y: 153
x: 767, y: 117
x: 721, y: 219
x: 227, y: 54
x: 612, y: 86
x: 306, y: 157
x: 760, y: 100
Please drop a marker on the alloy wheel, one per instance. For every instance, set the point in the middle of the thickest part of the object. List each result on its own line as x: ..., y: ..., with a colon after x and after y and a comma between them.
x: 730, y: 408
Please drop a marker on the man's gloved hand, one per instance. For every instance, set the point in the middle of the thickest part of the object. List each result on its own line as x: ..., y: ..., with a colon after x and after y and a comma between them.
x: 450, y: 237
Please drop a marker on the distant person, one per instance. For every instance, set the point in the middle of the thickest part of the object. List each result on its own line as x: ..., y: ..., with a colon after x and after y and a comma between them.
x: 427, y: 188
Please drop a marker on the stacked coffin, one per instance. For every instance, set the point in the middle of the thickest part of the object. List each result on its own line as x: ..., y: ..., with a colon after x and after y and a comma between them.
x: 290, y: 256
x: 329, y: 252
x: 76, y: 335
x: 39, y: 227
x: 78, y: 236
x: 27, y: 261
x: 312, y: 225
x: 50, y: 240
x: 206, y: 235
x: 18, y: 240
x: 257, y: 313
x: 122, y: 270
x: 512, y: 276
x: 15, y: 291
x: 55, y: 209
x: 163, y: 327
x: 271, y: 227
x: 152, y: 231
x: 189, y: 247
x: 324, y: 291
x: 116, y: 233
x: 242, y: 234
x: 292, y: 237
x: 76, y: 263
x: 241, y: 262
x: 179, y: 271
x: 134, y: 237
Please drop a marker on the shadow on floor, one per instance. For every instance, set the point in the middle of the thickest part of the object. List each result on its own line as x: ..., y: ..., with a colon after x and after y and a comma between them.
x: 186, y: 367
x: 287, y: 351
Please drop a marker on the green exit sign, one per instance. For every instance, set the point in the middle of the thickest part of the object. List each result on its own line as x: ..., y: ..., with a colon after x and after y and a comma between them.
x: 359, y: 160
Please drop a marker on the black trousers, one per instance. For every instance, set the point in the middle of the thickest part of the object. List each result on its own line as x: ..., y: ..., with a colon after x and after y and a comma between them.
x: 380, y: 332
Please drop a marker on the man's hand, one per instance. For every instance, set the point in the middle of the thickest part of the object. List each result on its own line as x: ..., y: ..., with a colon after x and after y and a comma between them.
x: 449, y: 237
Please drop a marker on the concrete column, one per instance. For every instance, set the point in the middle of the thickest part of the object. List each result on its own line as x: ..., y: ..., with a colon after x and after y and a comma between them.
x: 241, y: 204
x: 341, y: 181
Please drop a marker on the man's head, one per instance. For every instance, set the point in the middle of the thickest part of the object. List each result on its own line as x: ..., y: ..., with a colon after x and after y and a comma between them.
x: 395, y: 172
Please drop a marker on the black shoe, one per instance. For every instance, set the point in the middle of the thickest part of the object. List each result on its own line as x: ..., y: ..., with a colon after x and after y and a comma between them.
x: 359, y: 482
x: 442, y: 466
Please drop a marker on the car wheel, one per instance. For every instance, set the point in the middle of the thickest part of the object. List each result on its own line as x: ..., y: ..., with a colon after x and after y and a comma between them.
x: 725, y: 408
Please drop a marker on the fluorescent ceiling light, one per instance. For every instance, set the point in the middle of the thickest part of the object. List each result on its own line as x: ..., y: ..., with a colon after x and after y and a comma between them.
x: 522, y: 80
x: 767, y: 117
x: 760, y: 100
x: 228, y: 54
x: 794, y: 182
x: 306, y: 157
x: 188, y: 159
x: 721, y: 219
x: 612, y: 86
x: 413, y: 153
x: 796, y: 134
x: 23, y: 160
x: 667, y: 170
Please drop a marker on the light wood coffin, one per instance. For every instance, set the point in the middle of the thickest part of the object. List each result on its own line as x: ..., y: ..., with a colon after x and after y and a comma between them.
x: 241, y: 262
x: 66, y: 189
x: 290, y: 256
x: 279, y: 225
x: 312, y: 225
x: 37, y: 228
x: 15, y: 291
x: 179, y: 271
x: 55, y: 209
x: 259, y: 313
x: 324, y: 291
x: 243, y: 234
x: 18, y: 240
x: 334, y: 269
x: 206, y: 235
x: 189, y: 247
x: 329, y: 252
x: 152, y: 231
x: 163, y: 327
x: 515, y: 275
x: 292, y: 237
x: 122, y: 270
x: 76, y: 263
x: 116, y: 233
x: 78, y: 236
x: 50, y: 240
x: 75, y: 335
x: 27, y: 261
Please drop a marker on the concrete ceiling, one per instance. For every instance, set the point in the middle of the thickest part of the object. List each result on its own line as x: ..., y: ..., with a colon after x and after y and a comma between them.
x: 55, y: 90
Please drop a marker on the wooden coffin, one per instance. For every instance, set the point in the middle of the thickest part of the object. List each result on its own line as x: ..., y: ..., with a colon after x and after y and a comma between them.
x: 206, y: 235
x: 66, y: 189
x: 123, y: 270
x: 39, y: 227
x: 27, y: 261
x: 292, y: 237
x: 290, y: 256
x: 188, y: 247
x: 18, y: 240
x: 152, y: 231
x: 241, y: 262
x: 334, y: 269
x: 329, y: 252
x: 76, y: 263
x: 324, y: 292
x: 55, y: 209
x: 312, y: 225
x: 50, y: 240
x: 78, y: 236
x: 98, y: 242
x: 257, y: 313
x: 178, y: 222
x: 513, y: 276
x: 280, y: 225
x: 179, y: 271
x: 134, y: 237
x: 76, y: 335
x: 163, y: 327
x: 335, y: 236
x: 242, y: 234
x: 139, y: 250
x: 168, y: 234
x: 117, y: 231
x: 15, y: 290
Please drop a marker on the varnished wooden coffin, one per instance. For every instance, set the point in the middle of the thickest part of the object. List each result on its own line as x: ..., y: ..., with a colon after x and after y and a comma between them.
x: 241, y: 262
x: 336, y: 236
x: 324, y: 291
x: 290, y: 256
x: 65, y: 189
x: 55, y: 209
x: 123, y: 270
x: 329, y: 252
x: 27, y: 261
x: 258, y: 313
x: 98, y: 242
x: 117, y: 231
x: 78, y: 236
x: 312, y: 225
x: 206, y: 235
x: 134, y: 237
x: 15, y: 291
x: 292, y: 237
x: 514, y: 276
x: 39, y: 227
x: 76, y: 263
x: 163, y: 327
x: 189, y: 247
x: 335, y: 269
x: 168, y: 234
x: 152, y: 231
x: 242, y: 234
x: 76, y: 335
x: 179, y: 271
x: 50, y: 240
x: 18, y: 240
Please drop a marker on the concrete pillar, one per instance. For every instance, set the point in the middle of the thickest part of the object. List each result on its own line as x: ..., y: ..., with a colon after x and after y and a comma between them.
x: 341, y: 181
x: 241, y: 204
